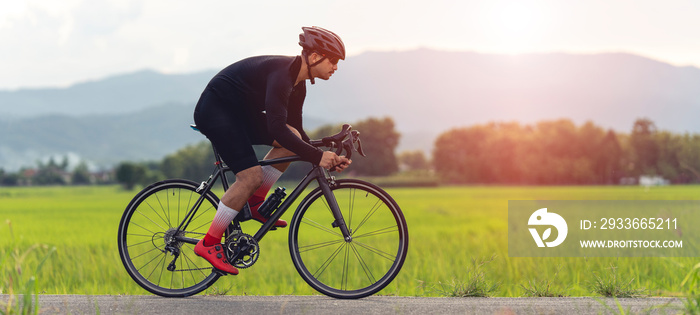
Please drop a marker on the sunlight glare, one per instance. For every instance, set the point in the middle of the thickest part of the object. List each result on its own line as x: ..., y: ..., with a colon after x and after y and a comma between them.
x: 9, y: 9
x: 513, y: 26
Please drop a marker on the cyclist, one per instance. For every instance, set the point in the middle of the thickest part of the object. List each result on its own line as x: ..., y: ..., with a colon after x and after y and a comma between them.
x: 259, y: 100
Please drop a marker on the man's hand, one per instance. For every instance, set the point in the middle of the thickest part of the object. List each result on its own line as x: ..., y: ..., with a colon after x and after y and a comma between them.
x: 331, y: 160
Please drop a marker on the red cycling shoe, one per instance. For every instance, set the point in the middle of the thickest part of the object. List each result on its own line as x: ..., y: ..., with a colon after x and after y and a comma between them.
x: 215, y: 255
x: 258, y: 217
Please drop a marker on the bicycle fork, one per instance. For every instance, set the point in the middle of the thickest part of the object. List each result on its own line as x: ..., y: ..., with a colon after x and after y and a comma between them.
x: 325, y: 182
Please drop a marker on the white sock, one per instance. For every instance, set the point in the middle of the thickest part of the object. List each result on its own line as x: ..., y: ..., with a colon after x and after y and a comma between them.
x: 224, y: 216
x: 270, y: 176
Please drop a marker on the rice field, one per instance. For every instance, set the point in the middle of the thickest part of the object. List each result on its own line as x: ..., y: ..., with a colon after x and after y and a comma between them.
x: 456, y: 234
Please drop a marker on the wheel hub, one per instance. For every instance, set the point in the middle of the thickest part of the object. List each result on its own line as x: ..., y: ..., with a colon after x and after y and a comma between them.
x: 170, y: 240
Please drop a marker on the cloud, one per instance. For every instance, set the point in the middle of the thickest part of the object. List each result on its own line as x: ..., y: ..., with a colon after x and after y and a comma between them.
x: 98, y: 18
x: 51, y: 42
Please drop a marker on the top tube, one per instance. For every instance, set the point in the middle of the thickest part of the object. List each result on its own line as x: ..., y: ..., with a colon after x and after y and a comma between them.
x: 285, y: 159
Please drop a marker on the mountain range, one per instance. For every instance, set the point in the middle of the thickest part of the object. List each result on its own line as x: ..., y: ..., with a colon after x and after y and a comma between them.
x: 144, y: 115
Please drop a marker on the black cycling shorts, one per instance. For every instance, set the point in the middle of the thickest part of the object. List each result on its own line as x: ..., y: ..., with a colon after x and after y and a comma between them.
x: 231, y: 129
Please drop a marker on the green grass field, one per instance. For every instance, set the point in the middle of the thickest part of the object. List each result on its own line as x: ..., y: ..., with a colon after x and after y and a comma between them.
x: 450, y: 228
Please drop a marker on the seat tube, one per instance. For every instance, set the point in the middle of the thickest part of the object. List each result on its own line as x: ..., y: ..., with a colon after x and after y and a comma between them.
x: 323, y: 183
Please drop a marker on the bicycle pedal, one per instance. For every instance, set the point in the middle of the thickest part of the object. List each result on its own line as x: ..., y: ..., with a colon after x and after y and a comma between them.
x: 221, y: 272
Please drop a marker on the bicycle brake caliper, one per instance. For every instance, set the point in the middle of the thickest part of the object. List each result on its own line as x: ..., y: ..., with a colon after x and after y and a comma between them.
x: 201, y: 186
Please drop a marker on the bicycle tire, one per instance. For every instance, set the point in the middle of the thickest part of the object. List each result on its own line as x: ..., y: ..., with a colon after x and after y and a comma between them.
x: 370, y: 261
x: 151, y: 214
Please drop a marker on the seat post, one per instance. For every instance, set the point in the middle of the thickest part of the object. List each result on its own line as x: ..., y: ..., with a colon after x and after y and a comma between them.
x: 220, y: 165
x: 219, y: 162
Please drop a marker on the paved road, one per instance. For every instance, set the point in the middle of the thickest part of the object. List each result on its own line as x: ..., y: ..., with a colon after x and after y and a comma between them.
x: 81, y: 304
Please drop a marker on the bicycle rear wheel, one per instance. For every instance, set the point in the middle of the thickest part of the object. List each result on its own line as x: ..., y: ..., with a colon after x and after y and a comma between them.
x: 362, y: 266
x: 147, y: 227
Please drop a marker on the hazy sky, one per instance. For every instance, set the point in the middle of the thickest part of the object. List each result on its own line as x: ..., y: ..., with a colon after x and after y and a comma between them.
x: 61, y: 42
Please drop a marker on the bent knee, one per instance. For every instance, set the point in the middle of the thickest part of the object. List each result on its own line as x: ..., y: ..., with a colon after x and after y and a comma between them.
x: 250, y: 179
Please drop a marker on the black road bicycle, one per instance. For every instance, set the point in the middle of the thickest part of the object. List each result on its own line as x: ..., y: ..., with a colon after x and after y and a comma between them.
x: 348, y: 238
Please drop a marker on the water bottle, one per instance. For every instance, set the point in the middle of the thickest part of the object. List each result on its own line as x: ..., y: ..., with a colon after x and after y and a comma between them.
x: 272, y: 202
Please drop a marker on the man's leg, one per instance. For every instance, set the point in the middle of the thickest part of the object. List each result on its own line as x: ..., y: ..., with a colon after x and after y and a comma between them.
x: 233, y: 200
x: 270, y: 174
x: 247, y: 181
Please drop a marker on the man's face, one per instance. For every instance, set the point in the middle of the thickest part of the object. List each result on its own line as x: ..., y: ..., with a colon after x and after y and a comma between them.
x: 326, y: 68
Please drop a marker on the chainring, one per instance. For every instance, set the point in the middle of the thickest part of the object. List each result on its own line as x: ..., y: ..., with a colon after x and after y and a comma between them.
x: 242, y: 250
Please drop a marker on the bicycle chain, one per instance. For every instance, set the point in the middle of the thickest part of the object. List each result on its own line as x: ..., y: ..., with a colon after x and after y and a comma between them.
x: 193, y: 269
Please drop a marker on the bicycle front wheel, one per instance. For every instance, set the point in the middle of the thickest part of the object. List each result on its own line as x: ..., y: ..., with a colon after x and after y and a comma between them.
x: 359, y: 267
x: 146, y: 245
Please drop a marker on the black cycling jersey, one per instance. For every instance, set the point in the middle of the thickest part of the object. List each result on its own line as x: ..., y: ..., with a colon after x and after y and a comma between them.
x: 260, y: 91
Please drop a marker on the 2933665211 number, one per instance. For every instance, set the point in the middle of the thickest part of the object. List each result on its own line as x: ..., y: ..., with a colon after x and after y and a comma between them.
x: 638, y: 224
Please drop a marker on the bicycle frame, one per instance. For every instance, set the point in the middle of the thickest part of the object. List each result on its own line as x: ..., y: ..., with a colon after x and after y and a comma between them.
x: 321, y: 175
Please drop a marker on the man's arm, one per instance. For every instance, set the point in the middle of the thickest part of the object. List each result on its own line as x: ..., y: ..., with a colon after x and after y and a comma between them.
x: 295, y: 117
x: 276, y: 102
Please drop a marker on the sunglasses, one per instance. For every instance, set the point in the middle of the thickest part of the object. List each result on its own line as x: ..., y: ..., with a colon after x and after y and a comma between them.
x: 333, y: 60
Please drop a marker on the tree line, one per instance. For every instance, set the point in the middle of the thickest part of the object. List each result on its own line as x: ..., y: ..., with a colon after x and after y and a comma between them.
x: 54, y: 173
x: 559, y: 152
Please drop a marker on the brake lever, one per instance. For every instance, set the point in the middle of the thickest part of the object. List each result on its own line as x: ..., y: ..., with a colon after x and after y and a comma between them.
x: 348, y: 146
x: 359, y: 148
x: 356, y: 138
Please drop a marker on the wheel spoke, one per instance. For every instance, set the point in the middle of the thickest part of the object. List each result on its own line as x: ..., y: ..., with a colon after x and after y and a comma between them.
x: 328, y: 261
x: 143, y: 235
x: 362, y: 262
x: 162, y: 268
x: 344, y: 277
x: 144, y: 253
x: 201, y: 226
x: 189, y: 260
x: 307, y: 248
x: 156, y: 266
x: 161, y: 208
x: 167, y: 207
x: 319, y: 226
x: 385, y: 230
x: 172, y: 277
x: 146, y: 241
x: 377, y: 251
x: 369, y: 214
x: 149, y: 219
x: 201, y: 213
x: 351, y: 206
